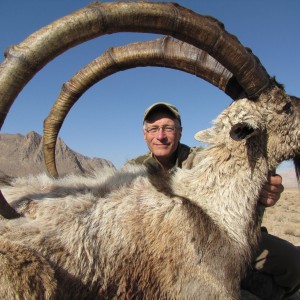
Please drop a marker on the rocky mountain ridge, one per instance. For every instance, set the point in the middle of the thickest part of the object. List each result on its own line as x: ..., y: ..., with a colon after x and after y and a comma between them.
x: 22, y: 155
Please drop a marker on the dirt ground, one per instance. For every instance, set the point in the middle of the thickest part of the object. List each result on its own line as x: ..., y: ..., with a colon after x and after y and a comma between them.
x: 283, y: 219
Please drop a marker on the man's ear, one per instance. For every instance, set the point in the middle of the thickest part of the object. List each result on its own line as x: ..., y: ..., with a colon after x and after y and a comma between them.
x: 144, y: 133
x: 241, y: 131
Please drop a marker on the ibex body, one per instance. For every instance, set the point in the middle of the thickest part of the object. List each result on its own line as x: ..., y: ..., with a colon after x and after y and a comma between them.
x: 138, y: 234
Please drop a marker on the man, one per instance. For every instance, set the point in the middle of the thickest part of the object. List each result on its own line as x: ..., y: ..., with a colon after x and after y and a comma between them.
x: 276, y: 272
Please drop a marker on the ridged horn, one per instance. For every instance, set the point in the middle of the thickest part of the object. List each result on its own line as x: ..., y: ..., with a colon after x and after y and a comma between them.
x: 7, y: 211
x: 164, y: 52
x: 26, y: 59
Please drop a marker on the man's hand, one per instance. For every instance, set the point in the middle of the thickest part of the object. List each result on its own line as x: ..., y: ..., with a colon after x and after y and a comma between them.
x: 271, y: 191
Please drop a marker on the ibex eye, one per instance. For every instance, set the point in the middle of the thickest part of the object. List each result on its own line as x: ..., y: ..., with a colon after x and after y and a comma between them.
x: 288, y: 109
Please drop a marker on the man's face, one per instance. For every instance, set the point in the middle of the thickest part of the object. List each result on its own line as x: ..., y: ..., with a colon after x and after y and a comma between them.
x: 162, y: 143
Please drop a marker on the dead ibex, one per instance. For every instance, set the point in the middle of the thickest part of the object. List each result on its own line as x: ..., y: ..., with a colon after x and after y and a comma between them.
x: 137, y: 233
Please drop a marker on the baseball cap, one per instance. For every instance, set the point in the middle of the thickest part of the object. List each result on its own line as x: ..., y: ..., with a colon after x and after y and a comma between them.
x: 174, y: 111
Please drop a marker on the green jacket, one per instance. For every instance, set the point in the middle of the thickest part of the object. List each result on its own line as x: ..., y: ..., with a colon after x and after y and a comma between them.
x: 185, y: 158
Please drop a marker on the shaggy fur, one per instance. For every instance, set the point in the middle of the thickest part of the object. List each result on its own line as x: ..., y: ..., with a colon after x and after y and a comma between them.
x: 24, y: 273
x: 140, y: 234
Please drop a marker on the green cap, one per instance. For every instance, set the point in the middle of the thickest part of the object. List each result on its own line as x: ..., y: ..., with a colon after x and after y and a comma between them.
x: 171, y: 108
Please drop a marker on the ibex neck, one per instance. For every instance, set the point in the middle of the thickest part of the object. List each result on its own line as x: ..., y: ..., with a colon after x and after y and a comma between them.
x: 227, y: 189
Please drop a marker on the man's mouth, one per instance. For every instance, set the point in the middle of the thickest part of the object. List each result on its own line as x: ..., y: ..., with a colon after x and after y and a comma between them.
x: 161, y: 145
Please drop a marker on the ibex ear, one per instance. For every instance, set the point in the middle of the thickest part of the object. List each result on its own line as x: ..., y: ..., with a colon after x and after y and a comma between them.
x: 204, y: 136
x: 241, y: 131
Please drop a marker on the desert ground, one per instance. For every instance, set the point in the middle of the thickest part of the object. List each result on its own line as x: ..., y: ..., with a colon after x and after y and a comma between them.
x: 283, y: 219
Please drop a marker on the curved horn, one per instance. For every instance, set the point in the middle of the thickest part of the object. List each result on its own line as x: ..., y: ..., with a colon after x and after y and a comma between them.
x: 25, y: 60
x: 6, y: 210
x: 164, y: 52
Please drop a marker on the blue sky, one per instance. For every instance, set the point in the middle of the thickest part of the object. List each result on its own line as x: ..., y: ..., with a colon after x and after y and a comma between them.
x: 106, y: 121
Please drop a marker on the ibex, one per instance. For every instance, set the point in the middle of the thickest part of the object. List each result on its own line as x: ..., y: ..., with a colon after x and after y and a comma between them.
x: 138, y: 233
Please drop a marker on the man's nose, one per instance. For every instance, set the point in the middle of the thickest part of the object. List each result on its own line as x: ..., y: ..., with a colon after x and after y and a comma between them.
x: 161, y: 133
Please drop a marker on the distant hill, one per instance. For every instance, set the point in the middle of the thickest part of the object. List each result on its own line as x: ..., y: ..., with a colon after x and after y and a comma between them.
x: 22, y: 155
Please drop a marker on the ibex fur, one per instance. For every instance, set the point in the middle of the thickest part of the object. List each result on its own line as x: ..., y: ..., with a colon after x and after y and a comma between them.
x: 139, y: 234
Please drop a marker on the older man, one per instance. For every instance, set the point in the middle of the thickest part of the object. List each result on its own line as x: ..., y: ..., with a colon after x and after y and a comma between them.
x: 276, y: 271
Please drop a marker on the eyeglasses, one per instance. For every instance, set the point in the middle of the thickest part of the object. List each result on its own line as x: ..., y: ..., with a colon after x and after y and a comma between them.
x: 165, y: 128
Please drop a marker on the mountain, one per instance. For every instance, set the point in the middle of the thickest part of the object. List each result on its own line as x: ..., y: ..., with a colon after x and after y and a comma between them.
x: 21, y: 155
